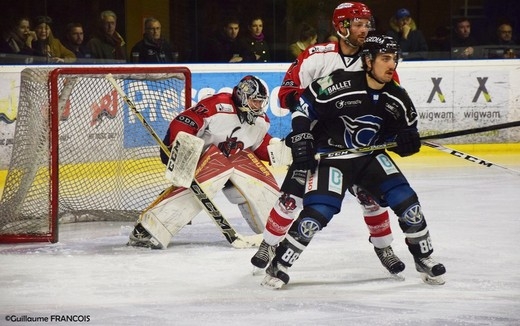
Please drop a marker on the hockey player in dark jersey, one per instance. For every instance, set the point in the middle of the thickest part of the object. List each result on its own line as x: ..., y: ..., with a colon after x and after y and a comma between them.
x: 351, y: 110
x: 352, y: 22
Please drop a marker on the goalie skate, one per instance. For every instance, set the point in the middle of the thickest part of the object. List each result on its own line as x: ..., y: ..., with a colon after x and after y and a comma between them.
x: 430, y: 270
x: 139, y: 237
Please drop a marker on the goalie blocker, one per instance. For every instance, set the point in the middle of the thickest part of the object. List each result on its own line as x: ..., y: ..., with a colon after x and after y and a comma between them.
x: 244, y: 179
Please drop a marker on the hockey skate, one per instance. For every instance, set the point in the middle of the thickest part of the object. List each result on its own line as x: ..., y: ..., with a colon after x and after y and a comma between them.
x: 141, y: 238
x: 389, y: 260
x: 430, y: 270
x: 263, y: 256
x: 276, y: 276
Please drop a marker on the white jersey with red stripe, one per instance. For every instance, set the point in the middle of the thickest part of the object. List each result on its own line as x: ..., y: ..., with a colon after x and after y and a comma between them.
x: 316, y: 61
x: 215, y: 120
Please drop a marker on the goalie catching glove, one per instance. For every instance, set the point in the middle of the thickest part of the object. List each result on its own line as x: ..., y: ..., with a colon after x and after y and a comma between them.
x: 303, y: 150
x: 408, y: 142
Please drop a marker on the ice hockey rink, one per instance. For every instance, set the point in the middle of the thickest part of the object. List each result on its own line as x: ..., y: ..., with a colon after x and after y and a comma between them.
x: 472, y: 213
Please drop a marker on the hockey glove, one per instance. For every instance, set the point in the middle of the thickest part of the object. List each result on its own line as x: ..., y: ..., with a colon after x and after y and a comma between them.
x: 303, y: 150
x: 408, y: 143
x: 292, y: 100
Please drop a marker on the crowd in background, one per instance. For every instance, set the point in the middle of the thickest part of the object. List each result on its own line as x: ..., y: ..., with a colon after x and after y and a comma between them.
x: 34, y: 41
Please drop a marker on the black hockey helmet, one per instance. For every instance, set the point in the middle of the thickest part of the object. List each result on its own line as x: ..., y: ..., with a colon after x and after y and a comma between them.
x: 375, y: 44
x: 251, y: 98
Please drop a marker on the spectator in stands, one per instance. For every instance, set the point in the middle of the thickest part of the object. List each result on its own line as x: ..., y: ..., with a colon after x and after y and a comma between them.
x: 74, y: 41
x: 224, y: 46
x: 47, y: 46
x: 254, y: 40
x: 18, y: 40
x: 505, y: 40
x: 308, y: 37
x: 107, y: 43
x: 153, y: 48
x: 463, y: 43
x: 411, y: 40
x: 504, y: 34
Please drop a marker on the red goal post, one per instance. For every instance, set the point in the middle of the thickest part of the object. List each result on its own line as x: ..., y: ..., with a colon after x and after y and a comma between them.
x: 79, y: 153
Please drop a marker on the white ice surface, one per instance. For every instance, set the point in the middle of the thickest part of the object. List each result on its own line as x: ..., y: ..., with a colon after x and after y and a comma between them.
x: 200, y: 279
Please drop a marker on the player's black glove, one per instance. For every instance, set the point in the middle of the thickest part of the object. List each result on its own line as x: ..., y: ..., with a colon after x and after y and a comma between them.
x: 303, y: 150
x: 408, y: 142
x: 292, y: 100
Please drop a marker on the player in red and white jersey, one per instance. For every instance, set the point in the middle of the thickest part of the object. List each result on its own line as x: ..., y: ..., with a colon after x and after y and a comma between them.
x: 224, y: 121
x: 352, y: 22
x: 234, y: 128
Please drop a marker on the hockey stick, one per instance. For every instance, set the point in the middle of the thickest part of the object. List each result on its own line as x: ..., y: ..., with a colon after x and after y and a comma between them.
x: 473, y: 130
x: 468, y: 157
x: 463, y: 132
x: 234, y: 238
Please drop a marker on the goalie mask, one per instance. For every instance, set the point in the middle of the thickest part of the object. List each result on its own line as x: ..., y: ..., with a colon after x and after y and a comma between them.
x: 250, y: 97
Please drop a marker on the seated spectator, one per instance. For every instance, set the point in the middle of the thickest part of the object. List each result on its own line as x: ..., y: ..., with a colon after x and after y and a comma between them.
x: 107, y: 44
x: 507, y: 46
x: 404, y: 31
x: 17, y: 42
x: 224, y: 46
x: 47, y: 46
x: 463, y: 44
x: 255, y: 42
x: 153, y: 48
x: 74, y: 37
x: 308, y: 37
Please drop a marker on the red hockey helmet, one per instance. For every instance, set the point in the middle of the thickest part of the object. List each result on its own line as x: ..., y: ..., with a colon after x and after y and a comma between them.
x: 348, y: 11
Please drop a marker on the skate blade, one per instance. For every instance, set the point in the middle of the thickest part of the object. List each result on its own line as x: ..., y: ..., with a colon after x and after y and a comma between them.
x: 397, y: 277
x: 272, y: 283
x: 257, y: 271
x: 432, y: 280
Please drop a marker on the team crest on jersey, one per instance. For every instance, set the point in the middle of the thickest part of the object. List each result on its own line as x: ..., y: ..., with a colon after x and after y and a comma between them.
x: 224, y: 107
x: 231, y: 145
x: 362, y: 130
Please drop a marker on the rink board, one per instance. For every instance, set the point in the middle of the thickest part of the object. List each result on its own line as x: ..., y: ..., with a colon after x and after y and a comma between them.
x: 503, y: 154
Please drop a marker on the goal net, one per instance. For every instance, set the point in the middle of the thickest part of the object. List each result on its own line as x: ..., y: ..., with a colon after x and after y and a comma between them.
x: 80, y: 154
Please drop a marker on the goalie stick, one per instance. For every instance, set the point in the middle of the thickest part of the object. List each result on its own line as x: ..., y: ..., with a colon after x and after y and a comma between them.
x: 232, y: 236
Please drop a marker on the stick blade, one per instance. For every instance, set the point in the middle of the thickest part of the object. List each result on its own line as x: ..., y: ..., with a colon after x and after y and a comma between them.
x: 244, y: 242
x: 184, y: 155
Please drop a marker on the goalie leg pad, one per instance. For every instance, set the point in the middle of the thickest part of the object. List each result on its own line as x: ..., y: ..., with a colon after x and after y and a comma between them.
x: 168, y: 216
x: 254, y: 182
x: 235, y: 197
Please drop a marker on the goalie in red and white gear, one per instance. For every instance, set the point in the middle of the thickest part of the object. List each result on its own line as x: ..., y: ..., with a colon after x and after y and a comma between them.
x: 234, y: 128
x: 352, y: 22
